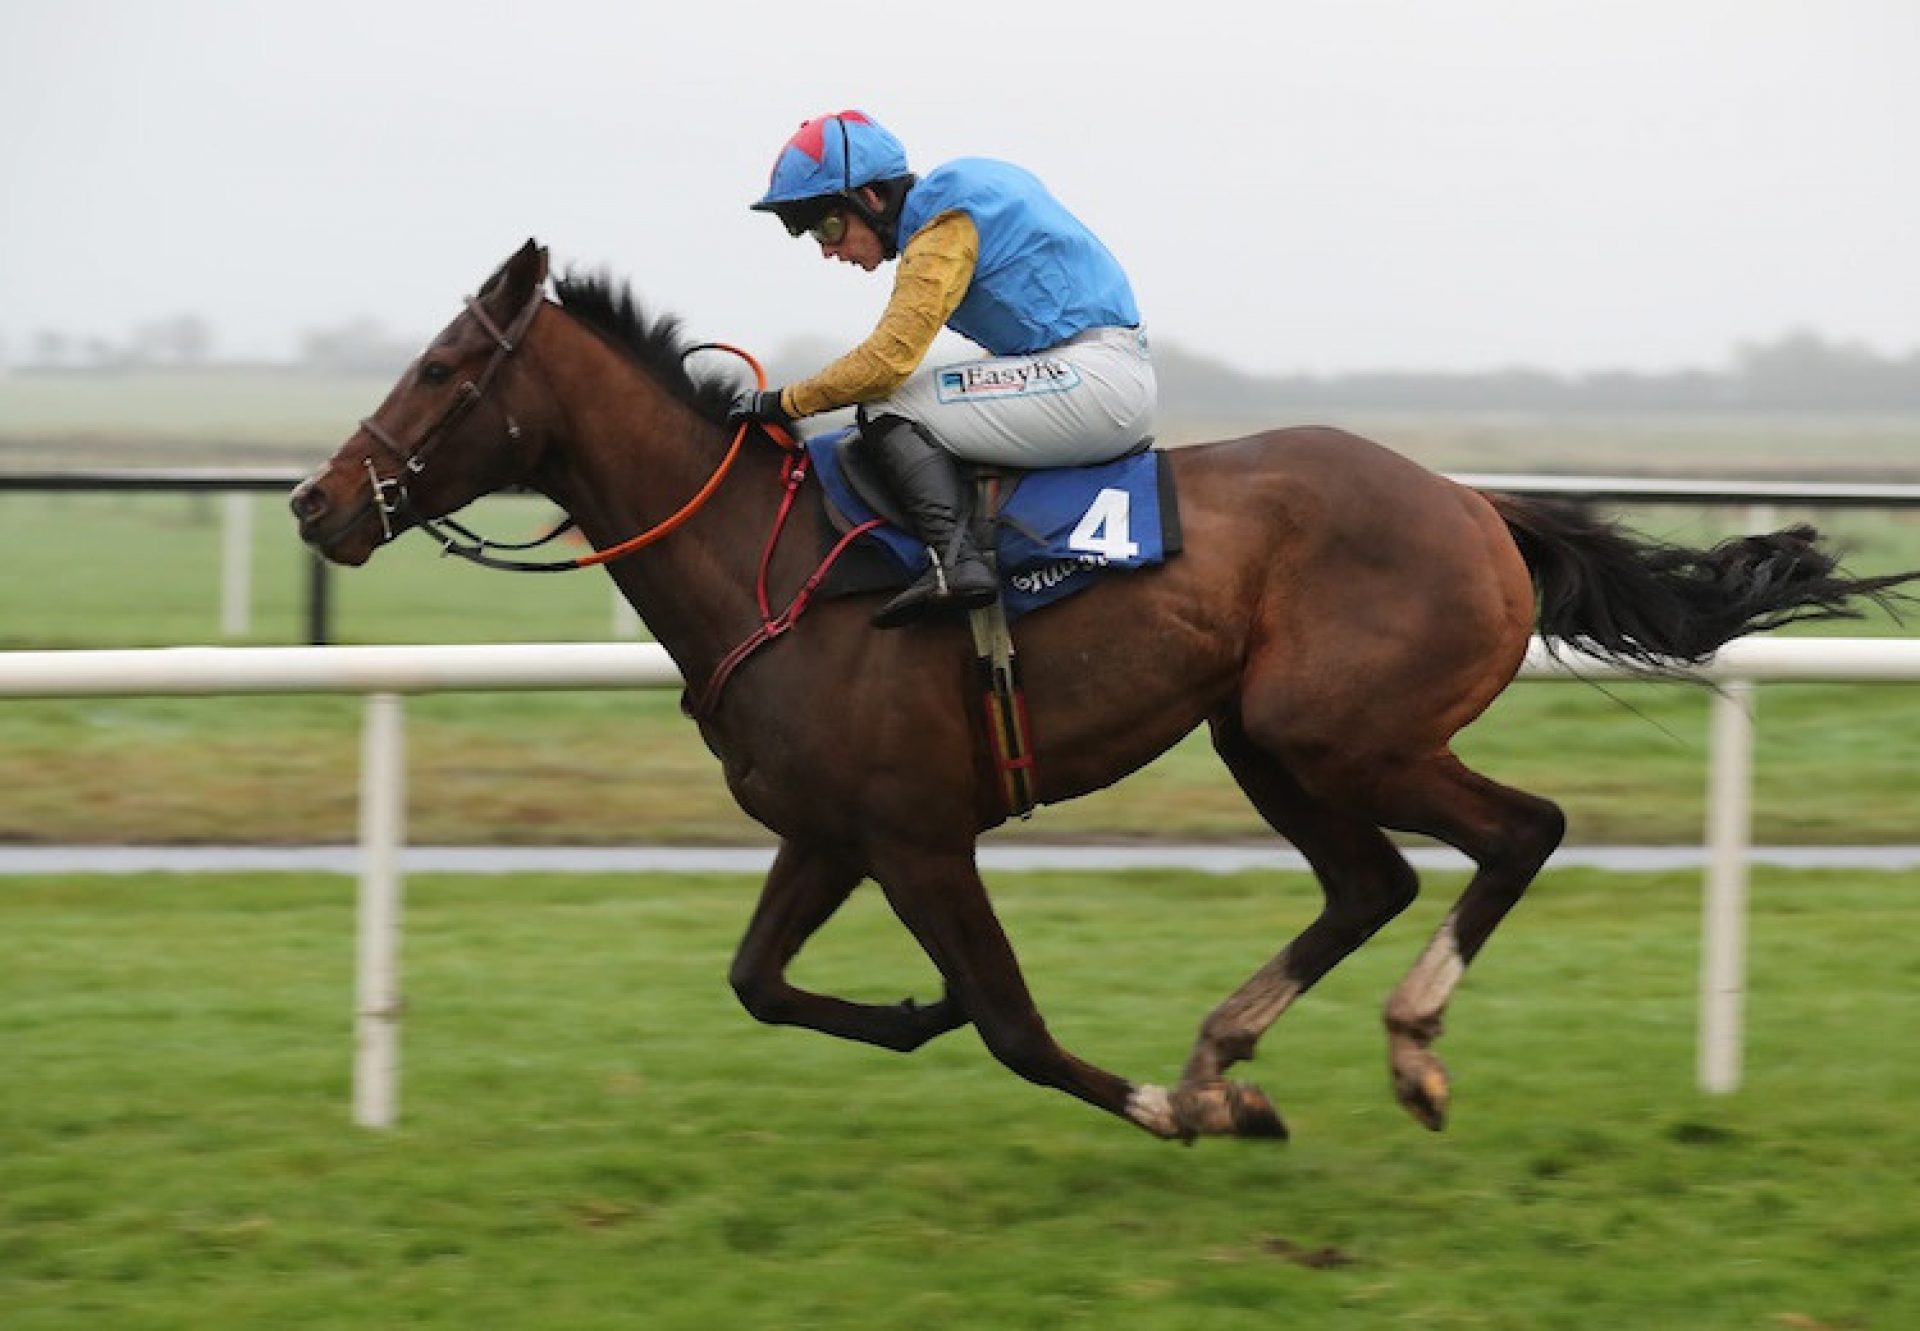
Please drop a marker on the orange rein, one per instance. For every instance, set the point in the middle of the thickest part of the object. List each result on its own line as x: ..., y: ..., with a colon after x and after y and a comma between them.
x: 670, y: 525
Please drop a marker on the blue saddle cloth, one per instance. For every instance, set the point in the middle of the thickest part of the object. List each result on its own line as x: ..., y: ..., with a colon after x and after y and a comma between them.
x: 1058, y: 532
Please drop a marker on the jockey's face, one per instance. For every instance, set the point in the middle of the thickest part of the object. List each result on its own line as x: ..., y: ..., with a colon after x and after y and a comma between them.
x: 859, y: 245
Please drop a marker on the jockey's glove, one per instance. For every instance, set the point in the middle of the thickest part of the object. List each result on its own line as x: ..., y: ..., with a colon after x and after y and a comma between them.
x: 760, y: 405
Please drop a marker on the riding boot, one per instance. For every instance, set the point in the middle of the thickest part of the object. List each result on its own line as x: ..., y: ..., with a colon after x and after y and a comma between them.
x: 927, y: 484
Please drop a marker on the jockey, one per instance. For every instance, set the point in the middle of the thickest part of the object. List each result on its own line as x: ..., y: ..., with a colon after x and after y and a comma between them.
x: 985, y: 250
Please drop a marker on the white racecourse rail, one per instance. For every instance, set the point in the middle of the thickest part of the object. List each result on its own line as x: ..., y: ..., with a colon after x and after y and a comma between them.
x: 383, y: 674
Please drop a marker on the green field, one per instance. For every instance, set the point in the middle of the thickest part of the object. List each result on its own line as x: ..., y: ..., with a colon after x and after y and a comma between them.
x: 1835, y: 763
x: 593, y: 1135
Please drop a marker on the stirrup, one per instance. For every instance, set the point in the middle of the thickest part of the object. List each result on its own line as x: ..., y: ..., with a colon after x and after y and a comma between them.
x: 919, y: 600
x: 934, y: 592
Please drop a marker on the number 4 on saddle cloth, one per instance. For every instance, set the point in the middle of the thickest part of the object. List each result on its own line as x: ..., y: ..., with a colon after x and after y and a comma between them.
x: 1054, y: 532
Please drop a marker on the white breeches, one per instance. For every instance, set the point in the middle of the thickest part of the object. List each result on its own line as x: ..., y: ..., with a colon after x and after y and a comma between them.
x: 1089, y: 399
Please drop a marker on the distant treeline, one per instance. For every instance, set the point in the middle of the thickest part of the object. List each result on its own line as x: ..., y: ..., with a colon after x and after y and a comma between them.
x: 360, y: 346
x: 1799, y: 371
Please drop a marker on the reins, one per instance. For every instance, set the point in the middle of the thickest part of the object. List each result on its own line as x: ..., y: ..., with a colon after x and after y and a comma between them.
x: 390, y: 493
x: 784, y: 441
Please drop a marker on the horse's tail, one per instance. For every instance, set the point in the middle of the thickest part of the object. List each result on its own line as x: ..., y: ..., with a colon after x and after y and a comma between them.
x: 1647, y: 604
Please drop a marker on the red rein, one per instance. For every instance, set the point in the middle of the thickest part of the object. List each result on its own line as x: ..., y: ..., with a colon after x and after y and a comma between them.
x: 793, y: 474
x: 694, y: 505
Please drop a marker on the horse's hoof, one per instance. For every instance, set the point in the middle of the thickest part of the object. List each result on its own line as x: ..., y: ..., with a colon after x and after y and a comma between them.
x: 1254, y: 1114
x: 1423, y: 1089
x: 1226, y: 1109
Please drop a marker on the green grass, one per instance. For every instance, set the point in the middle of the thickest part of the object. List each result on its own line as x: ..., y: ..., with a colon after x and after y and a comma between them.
x: 593, y: 1135
x: 1835, y: 763
x: 143, y: 570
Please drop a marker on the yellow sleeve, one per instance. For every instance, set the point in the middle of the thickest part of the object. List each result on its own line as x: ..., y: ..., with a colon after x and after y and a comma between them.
x: 936, y: 268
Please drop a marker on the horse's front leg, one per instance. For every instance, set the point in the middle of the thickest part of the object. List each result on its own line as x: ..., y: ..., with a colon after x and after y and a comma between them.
x: 803, y: 889
x: 938, y: 895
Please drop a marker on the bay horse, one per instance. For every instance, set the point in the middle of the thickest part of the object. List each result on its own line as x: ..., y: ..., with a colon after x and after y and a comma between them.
x: 1337, y: 615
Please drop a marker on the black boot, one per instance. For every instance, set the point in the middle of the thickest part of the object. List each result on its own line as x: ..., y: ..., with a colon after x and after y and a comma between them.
x: 925, y: 481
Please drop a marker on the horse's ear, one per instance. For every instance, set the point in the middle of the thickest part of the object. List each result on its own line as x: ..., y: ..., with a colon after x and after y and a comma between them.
x: 517, y: 280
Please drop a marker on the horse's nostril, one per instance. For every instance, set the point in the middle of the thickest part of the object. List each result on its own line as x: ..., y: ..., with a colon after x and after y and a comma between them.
x: 308, y: 502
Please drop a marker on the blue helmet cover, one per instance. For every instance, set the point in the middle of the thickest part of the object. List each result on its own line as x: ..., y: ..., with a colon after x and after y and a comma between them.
x: 832, y: 155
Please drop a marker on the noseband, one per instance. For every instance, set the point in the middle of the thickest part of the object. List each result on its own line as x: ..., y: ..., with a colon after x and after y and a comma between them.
x: 390, y: 495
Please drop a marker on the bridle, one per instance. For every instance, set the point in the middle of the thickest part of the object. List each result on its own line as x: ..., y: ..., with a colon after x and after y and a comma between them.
x: 390, y: 495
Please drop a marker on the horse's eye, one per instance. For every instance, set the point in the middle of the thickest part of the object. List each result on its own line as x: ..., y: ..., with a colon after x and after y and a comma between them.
x: 435, y: 372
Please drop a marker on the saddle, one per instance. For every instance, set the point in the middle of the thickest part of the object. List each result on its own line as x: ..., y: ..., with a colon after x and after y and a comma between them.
x: 1048, y: 533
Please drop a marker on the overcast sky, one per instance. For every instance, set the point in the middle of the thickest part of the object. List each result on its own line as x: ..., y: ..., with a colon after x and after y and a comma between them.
x: 1293, y: 184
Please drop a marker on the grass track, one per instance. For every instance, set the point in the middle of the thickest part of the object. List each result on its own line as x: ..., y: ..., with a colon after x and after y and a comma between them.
x: 595, y: 1136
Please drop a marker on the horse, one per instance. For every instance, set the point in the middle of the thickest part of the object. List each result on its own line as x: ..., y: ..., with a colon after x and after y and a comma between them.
x: 1337, y: 615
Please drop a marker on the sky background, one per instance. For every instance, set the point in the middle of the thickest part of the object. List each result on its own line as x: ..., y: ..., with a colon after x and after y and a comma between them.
x: 1293, y: 186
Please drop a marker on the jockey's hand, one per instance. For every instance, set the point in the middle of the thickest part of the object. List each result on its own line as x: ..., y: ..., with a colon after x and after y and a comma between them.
x: 761, y: 406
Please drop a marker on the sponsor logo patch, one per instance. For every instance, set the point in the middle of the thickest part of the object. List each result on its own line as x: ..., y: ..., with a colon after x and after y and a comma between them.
x: 1039, y: 581
x: 996, y: 380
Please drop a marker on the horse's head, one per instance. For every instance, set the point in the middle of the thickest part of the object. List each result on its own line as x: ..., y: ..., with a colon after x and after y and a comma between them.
x: 459, y: 424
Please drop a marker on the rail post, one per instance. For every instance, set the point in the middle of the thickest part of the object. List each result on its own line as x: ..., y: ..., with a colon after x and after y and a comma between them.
x: 1723, y: 937
x: 626, y: 620
x: 236, y: 565
x: 318, y: 581
x: 378, y: 1006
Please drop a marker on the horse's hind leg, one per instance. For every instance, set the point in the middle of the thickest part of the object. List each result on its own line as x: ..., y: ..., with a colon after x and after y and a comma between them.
x: 1366, y: 881
x: 1509, y: 835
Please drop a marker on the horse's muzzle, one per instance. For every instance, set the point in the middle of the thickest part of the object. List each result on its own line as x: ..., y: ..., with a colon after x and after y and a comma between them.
x: 315, y: 511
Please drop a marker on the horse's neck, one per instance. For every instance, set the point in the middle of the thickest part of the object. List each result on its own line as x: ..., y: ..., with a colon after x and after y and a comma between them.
x: 634, y: 456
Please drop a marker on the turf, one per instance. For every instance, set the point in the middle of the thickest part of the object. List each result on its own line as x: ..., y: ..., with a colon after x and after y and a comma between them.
x: 593, y: 1135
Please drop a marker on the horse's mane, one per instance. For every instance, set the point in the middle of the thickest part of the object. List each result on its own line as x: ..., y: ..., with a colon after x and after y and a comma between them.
x: 655, y: 344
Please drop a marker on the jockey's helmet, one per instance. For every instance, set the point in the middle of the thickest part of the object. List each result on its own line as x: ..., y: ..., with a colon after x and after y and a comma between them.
x: 824, y: 165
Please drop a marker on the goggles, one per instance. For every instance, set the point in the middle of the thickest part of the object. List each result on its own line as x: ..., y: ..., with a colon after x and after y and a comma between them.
x: 829, y: 230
